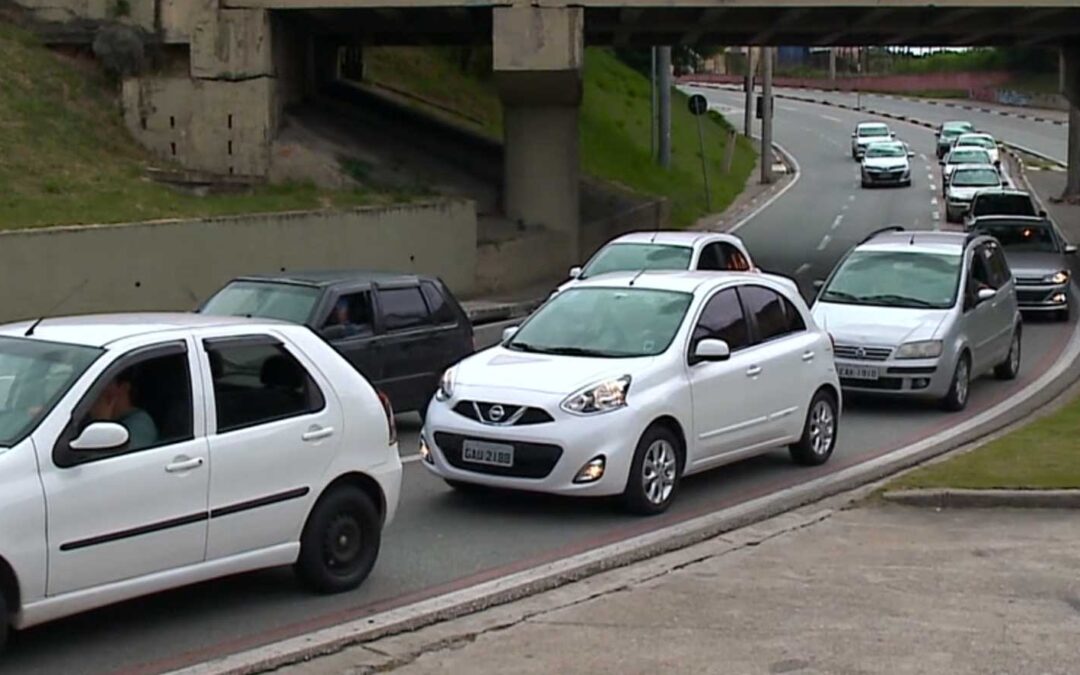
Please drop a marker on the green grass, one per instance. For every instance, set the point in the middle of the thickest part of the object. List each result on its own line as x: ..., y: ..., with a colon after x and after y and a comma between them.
x: 614, y: 124
x: 1041, y: 455
x: 66, y: 158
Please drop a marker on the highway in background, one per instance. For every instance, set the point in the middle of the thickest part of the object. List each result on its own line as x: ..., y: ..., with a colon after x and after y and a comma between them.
x: 443, y: 541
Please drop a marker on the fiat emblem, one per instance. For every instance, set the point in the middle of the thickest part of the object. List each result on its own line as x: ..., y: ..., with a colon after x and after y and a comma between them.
x: 860, y: 353
x: 496, y: 412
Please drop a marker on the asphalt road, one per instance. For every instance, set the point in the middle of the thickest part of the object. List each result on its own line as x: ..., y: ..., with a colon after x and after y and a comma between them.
x: 443, y: 541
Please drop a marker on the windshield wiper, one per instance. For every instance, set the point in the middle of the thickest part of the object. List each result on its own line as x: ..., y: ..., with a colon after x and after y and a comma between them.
x: 573, y: 351
x: 891, y: 297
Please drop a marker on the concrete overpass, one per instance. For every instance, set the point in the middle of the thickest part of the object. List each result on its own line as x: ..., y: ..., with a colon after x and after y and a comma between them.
x: 236, y: 63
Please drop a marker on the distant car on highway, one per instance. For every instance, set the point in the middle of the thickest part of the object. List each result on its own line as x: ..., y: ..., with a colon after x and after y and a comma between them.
x: 966, y: 181
x: 866, y: 133
x: 1039, y: 258
x: 626, y: 383
x: 399, y: 330
x: 143, y: 452
x: 886, y: 163
x: 922, y: 314
x: 1001, y: 202
x: 949, y: 132
x: 984, y: 141
x: 966, y: 155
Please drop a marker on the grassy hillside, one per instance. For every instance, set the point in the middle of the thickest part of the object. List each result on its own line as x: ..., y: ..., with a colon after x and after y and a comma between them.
x: 615, y: 114
x: 66, y: 158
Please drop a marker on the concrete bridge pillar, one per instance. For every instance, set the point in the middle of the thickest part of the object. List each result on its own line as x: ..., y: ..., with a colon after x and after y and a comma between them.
x: 1071, y: 60
x: 538, y: 55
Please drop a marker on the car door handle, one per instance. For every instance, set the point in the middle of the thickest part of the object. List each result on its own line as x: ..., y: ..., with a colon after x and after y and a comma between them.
x: 753, y: 371
x: 317, y: 434
x: 808, y: 356
x: 180, y: 464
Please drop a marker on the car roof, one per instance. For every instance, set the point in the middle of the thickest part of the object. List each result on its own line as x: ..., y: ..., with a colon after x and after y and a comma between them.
x: 861, y: 125
x: 920, y: 241
x: 1005, y: 191
x: 975, y: 134
x: 99, y: 330
x: 956, y: 123
x: 1003, y: 219
x: 674, y: 280
x: 322, y: 278
x: 681, y: 237
x: 892, y: 142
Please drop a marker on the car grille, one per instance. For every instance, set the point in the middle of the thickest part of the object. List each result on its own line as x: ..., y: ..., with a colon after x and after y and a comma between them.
x: 1025, y: 297
x: 505, y: 414
x: 531, y: 460
x: 862, y: 353
x: 884, y: 383
x: 1030, y: 281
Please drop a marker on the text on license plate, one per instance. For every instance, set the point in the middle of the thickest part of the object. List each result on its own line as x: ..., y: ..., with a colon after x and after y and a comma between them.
x: 493, y: 454
x: 858, y: 372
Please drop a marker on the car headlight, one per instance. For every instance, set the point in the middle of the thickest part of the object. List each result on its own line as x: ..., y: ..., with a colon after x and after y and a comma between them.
x: 924, y: 349
x: 446, y: 385
x: 598, y: 398
x: 1057, y: 277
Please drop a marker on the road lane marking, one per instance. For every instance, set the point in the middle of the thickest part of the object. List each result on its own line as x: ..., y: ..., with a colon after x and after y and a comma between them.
x: 934, y: 202
x: 851, y: 198
x: 836, y: 223
x: 408, y: 459
x: 802, y: 268
x: 832, y: 119
x: 824, y: 242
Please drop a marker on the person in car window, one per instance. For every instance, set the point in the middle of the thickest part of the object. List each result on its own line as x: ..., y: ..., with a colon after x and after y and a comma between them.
x: 116, y: 405
x: 342, y: 315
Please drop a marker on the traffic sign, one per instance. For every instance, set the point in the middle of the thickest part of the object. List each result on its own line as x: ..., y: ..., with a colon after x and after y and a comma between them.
x: 698, y: 105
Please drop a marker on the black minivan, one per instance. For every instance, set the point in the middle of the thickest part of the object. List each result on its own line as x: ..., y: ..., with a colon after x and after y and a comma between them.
x: 401, y: 331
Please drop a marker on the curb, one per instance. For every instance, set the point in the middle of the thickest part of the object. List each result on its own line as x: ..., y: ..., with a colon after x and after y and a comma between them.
x: 984, y: 499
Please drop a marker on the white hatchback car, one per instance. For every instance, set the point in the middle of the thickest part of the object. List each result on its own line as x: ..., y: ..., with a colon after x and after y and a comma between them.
x: 142, y: 452
x: 978, y: 140
x: 624, y: 384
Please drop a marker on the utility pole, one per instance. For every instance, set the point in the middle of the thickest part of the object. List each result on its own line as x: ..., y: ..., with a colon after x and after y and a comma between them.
x: 748, y: 87
x: 664, y: 62
x: 832, y: 65
x: 766, y: 114
x: 654, y: 125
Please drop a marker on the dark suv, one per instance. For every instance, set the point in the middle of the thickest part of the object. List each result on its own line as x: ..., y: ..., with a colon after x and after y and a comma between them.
x: 400, y: 331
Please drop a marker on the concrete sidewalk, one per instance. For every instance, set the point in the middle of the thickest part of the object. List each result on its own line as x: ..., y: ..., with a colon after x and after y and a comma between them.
x: 878, y: 589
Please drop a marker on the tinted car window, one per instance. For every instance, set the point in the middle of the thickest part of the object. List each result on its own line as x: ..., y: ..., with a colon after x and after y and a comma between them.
x: 403, y: 308
x: 980, y: 272
x: 712, y: 258
x: 736, y: 261
x: 771, y: 311
x: 1021, y: 236
x: 999, y: 268
x: 722, y: 319
x: 441, y: 311
x: 257, y: 382
x: 352, y: 314
x: 286, y: 302
x: 1003, y: 205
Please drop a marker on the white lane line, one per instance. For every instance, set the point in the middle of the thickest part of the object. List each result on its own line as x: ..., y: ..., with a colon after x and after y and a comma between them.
x: 845, y: 207
x: 851, y: 198
x: 934, y: 202
x: 836, y: 223
x: 924, y: 157
x: 933, y: 188
x: 824, y: 242
x: 802, y: 268
x: 832, y: 119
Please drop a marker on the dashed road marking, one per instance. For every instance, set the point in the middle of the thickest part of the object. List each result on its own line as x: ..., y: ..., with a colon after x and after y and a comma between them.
x: 836, y: 223
x: 802, y: 268
x: 934, y: 202
x: 824, y: 242
x: 851, y: 198
x: 832, y: 119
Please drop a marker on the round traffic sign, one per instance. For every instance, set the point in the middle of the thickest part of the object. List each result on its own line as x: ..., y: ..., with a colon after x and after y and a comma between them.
x: 698, y: 104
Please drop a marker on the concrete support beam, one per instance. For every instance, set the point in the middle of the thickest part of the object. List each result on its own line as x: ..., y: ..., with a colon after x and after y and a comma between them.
x: 230, y: 44
x: 537, y: 56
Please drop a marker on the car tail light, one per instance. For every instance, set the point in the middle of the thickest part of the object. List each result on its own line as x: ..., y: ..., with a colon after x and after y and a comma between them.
x: 389, y: 410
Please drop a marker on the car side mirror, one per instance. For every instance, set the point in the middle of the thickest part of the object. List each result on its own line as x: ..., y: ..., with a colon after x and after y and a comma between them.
x: 910, y: 154
x: 1070, y: 249
x: 985, y: 294
x: 575, y: 272
x: 509, y: 333
x: 101, y: 436
x: 892, y: 134
x: 1042, y: 214
x: 711, y: 350
x: 853, y: 135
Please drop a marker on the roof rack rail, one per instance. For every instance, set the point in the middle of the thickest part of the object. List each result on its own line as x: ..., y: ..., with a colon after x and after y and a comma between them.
x: 883, y: 230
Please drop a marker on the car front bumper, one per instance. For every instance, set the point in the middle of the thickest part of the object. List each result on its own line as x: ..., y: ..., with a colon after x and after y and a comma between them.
x: 1043, y: 297
x: 547, y: 456
x: 917, y: 378
x: 886, y: 177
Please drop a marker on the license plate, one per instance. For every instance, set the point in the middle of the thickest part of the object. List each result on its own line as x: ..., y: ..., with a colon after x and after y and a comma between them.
x: 492, y: 454
x: 858, y: 372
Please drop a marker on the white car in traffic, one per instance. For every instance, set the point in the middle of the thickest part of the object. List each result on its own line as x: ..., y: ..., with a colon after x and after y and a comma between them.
x: 969, y: 155
x: 886, y: 163
x: 142, y: 452
x: 966, y: 181
x: 979, y: 140
x: 866, y: 133
x: 625, y: 383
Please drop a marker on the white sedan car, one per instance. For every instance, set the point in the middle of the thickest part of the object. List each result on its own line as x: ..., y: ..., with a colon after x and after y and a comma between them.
x: 142, y: 452
x: 624, y: 384
x: 984, y: 141
x: 886, y: 163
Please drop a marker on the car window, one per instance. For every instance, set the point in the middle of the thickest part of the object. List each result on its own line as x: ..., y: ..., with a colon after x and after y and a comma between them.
x: 712, y: 258
x: 736, y: 261
x: 977, y: 141
x: 34, y: 375
x: 969, y: 157
x: 975, y: 178
x: 285, y: 302
x: 773, y: 314
x: 1003, y: 205
x: 873, y: 131
x: 886, y: 150
x: 352, y: 314
x: 258, y: 381
x: 911, y: 279
x: 999, y: 267
x: 980, y: 276
x: 1036, y: 238
x: 441, y: 311
x: 723, y: 319
x: 628, y: 257
x: 403, y: 308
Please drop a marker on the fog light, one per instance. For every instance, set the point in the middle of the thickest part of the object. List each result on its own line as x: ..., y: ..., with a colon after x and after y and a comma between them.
x: 592, y: 471
x: 425, y: 452
x: 1059, y: 298
x: 920, y: 383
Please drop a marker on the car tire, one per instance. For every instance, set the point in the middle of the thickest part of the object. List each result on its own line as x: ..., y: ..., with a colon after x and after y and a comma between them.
x: 655, y: 472
x: 1010, y: 367
x: 5, y: 622
x: 340, y: 542
x: 819, y: 431
x: 957, y: 397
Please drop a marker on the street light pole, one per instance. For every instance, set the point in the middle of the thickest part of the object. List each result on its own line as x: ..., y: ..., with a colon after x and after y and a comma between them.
x: 664, y: 83
x: 766, y: 114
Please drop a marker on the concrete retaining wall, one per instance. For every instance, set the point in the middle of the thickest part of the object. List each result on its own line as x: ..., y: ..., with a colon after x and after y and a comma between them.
x: 172, y: 265
x: 883, y: 83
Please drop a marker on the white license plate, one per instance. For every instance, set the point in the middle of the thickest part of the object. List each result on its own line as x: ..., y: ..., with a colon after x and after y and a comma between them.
x: 492, y: 454
x: 858, y: 372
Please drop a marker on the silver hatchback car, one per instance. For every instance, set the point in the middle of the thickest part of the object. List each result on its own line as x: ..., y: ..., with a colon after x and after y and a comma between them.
x: 922, y: 314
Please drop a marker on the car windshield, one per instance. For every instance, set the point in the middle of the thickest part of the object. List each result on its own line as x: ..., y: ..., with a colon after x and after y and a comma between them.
x: 1003, y: 205
x: 886, y: 151
x: 34, y: 375
x: 895, y: 279
x: 969, y: 157
x: 975, y: 178
x: 604, y: 322
x: 977, y: 141
x: 629, y: 257
x: 955, y: 130
x: 1022, y: 237
x: 873, y: 132
x: 286, y: 302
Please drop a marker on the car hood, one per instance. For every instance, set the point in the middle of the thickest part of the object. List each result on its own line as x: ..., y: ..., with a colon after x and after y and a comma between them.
x: 1035, y: 263
x: 500, y: 368
x: 885, y: 163
x: 875, y: 325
